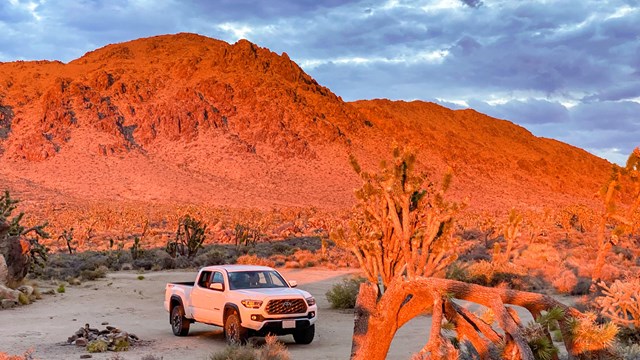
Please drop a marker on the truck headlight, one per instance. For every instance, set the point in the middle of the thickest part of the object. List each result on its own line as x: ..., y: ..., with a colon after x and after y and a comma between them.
x: 252, y: 304
x: 311, y: 301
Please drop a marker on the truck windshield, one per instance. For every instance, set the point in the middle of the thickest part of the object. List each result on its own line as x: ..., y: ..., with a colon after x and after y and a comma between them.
x: 255, y: 279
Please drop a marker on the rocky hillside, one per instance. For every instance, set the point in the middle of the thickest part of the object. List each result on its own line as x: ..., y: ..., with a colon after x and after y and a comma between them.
x: 188, y: 119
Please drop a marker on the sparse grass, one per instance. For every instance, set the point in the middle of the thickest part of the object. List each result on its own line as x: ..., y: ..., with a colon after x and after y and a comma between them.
x: 97, y: 346
x: 343, y: 295
x: 235, y: 352
x: 273, y: 349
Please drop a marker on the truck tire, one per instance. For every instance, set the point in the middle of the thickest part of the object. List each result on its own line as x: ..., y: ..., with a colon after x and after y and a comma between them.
x: 305, y: 336
x: 234, y: 333
x: 179, y: 323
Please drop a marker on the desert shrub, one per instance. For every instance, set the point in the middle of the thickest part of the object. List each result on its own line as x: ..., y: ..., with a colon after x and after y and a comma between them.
x: 566, y: 282
x: 26, y: 356
x: 140, y: 277
x: 306, y: 258
x: 628, y: 352
x: 97, y: 346
x: 61, y: 289
x: 582, y: 287
x: 283, y: 249
x: 457, y: 271
x: 254, y: 260
x: 235, y: 352
x: 143, y: 263
x: 273, y: 349
x: 162, y: 260
x: 620, y: 302
x: 23, y: 299
x: 121, y: 345
x: 98, y: 273
x: 213, y: 256
x: 343, y: 295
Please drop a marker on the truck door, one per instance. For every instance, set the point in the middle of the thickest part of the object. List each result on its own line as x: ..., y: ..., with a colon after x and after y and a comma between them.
x: 208, y: 303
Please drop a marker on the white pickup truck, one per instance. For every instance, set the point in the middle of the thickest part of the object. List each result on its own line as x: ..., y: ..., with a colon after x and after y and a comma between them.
x: 245, y: 301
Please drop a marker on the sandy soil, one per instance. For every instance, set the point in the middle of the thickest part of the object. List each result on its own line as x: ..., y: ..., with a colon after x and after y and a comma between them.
x: 136, y: 306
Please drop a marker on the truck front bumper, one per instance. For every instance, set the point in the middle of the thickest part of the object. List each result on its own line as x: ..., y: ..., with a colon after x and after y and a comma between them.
x: 279, y: 326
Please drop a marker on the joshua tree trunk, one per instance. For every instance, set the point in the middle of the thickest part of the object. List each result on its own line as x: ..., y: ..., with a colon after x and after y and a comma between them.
x: 378, y: 318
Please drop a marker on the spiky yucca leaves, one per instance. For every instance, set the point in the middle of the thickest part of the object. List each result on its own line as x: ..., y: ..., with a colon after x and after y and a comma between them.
x: 590, y: 337
x: 402, y: 223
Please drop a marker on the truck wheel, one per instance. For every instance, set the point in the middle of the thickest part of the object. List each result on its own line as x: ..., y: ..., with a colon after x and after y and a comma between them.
x: 179, y: 323
x: 305, y: 336
x: 233, y: 331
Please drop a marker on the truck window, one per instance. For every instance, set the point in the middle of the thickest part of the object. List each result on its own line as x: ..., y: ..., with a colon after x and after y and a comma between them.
x: 204, y: 280
x: 218, y: 278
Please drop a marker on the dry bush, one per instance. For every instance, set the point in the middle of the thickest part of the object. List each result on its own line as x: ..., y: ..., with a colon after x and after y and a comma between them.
x: 28, y: 355
x: 621, y: 302
x: 255, y: 260
x: 566, y: 282
x: 273, y: 349
x: 306, y: 258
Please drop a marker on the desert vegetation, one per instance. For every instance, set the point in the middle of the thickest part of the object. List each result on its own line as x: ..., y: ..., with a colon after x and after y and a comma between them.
x: 418, y: 251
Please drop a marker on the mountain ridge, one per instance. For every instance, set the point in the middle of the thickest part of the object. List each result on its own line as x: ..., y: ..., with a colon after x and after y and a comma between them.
x: 185, y: 118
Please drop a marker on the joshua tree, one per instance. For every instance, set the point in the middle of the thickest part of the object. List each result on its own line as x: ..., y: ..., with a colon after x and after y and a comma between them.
x: 621, y: 196
x: 20, y: 246
x: 401, y: 236
x: 189, y: 237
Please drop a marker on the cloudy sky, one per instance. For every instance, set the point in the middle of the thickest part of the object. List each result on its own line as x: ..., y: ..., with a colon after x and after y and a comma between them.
x: 568, y: 70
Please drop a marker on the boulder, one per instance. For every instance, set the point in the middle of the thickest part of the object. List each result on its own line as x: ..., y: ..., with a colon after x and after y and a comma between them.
x: 81, y: 342
x: 26, y: 289
x: 4, y: 271
x: 7, y: 303
x: 8, y: 293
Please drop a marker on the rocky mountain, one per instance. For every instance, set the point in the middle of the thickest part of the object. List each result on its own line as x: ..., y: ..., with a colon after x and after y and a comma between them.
x: 188, y: 119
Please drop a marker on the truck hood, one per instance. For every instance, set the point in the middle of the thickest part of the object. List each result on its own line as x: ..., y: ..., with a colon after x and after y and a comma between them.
x: 275, y: 292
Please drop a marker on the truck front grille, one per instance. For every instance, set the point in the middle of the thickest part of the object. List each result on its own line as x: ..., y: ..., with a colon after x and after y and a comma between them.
x: 286, y: 306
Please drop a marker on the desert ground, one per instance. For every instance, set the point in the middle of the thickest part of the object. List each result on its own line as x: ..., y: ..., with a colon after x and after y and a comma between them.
x: 136, y: 306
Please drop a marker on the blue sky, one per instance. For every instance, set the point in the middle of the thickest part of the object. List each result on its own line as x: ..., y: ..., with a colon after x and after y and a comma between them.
x: 568, y: 70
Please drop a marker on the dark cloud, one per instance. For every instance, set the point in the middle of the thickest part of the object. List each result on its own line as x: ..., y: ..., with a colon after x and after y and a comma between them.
x: 472, y: 3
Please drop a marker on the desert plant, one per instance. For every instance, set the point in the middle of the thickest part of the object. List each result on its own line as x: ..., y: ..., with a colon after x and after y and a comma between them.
x: 235, y: 352
x: 67, y: 236
x: 188, y: 239
x: 273, y: 349
x: 621, y: 197
x: 61, y: 289
x: 343, y: 295
x: 20, y: 245
x: 97, y: 346
x: 620, y: 302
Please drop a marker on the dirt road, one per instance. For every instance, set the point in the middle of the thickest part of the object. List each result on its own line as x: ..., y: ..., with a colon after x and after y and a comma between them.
x: 136, y: 306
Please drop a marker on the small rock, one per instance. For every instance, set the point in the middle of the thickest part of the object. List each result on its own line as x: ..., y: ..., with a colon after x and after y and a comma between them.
x: 26, y: 289
x: 105, y: 323
x: 85, y: 356
x: 8, y: 293
x: 72, y: 338
x: 81, y: 342
x: 7, y: 303
x: 111, y: 328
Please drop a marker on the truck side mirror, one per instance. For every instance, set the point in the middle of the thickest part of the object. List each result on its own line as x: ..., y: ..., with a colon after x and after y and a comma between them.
x: 293, y: 283
x: 216, y: 286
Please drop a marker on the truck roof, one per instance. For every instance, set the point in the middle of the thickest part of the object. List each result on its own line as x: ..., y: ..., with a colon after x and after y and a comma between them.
x: 235, y: 268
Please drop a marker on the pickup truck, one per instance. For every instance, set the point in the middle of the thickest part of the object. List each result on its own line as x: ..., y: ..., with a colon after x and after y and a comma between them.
x: 244, y: 300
